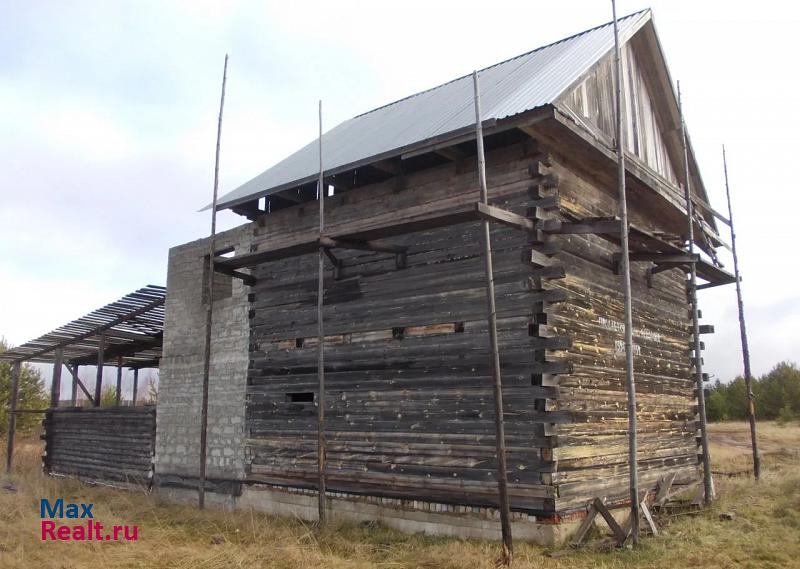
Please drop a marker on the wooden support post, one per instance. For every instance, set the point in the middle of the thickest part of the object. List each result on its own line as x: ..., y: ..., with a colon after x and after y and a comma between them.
x: 748, y: 376
x: 585, y: 526
x: 321, y: 447
x: 55, y: 387
x: 118, y: 394
x: 16, y: 372
x: 76, y: 383
x: 135, y: 384
x: 698, y: 360
x: 212, y: 240
x: 73, y: 398
x: 500, y: 438
x: 98, y: 385
x: 619, y: 534
x: 633, y: 468
x: 649, y: 518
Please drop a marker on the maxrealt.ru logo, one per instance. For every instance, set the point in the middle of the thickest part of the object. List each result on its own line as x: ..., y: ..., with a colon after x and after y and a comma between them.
x: 88, y: 530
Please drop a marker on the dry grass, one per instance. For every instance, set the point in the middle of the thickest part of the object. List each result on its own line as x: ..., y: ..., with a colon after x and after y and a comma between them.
x: 766, y: 532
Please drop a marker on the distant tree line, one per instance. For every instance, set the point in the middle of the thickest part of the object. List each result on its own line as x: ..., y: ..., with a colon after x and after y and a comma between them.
x: 32, y: 395
x: 777, y: 396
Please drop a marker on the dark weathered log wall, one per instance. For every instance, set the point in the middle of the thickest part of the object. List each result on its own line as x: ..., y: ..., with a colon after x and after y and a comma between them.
x: 409, y: 405
x: 110, y: 444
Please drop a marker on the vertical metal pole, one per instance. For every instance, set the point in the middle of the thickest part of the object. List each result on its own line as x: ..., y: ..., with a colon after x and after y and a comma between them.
x: 500, y: 437
x: 135, y: 384
x: 98, y: 386
x: 630, y: 381
x: 73, y: 398
x: 16, y: 371
x: 321, y: 446
x: 55, y: 388
x: 698, y: 359
x: 118, y: 394
x: 201, y: 487
x: 748, y: 376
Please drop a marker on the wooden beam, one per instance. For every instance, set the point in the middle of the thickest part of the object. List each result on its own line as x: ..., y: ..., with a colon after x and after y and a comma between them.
x: 388, y: 166
x: 249, y: 280
x: 663, y: 257
x: 600, y: 226
x: 585, y: 526
x: 650, y: 522
x: 141, y: 338
x: 55, y: 387
x: 98, y: 386
x: 504, y: 217
x: 661, y: 267
x: 118, y: 393
x: 73, y: 370
x: 335, y: 261
x: 378, y: 246
x: 16, y: 372
x: 96, y: 331
x: 73, y: 398
x: 249, y: 210
x: 452, y: 153
x: 135, y: 384
x: 619, y: 533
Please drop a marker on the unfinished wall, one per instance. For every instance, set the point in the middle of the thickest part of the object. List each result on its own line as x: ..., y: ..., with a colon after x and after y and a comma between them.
x: 112, y: 444
x: 181, y: 369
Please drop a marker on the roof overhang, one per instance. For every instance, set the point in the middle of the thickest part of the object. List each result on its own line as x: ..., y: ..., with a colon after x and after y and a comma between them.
x: 132, y: 329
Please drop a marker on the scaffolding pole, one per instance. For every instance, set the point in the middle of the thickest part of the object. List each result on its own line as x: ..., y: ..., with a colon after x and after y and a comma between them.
x: 748, y: 376
x: 201, y: 487
x: 500, y: 437
x: 698, y: 359
x: 633, y: 468
x: 321, y: 338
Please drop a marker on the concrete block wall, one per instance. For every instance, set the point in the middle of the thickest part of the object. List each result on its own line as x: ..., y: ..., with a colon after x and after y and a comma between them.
x: 181, y: 369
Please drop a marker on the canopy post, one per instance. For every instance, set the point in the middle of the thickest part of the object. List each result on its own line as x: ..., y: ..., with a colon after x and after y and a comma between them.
x: 98, y: 386
x: 55, y: 387
x: 118, y: 394
x: 135, y: 384
x: 16, y: 372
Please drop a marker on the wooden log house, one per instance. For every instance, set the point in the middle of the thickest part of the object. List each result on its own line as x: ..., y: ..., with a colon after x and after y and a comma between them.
x: 410, y: 422
x: 409, y: 411
x: 409, y: 390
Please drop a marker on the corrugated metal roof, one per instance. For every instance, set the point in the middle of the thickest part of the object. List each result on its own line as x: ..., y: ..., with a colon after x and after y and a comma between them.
x: 509, y: 88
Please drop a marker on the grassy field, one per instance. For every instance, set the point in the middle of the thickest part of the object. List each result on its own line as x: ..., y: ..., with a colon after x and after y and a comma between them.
x: 765, y: 533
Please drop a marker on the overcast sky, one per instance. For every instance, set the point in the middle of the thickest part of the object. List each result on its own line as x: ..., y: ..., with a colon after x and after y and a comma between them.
x: 108, y: 117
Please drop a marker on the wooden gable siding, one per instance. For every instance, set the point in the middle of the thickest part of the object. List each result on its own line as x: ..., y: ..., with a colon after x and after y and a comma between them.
x: 409, y: 409
x: 592, y: 100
